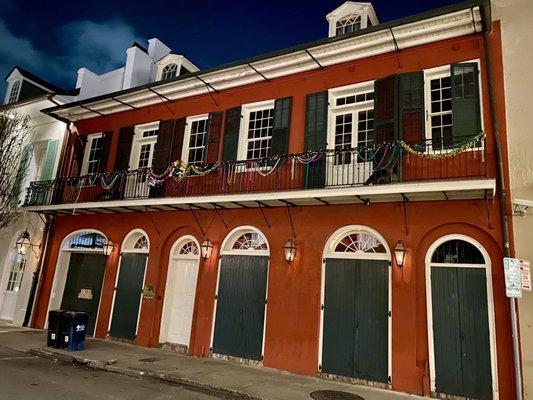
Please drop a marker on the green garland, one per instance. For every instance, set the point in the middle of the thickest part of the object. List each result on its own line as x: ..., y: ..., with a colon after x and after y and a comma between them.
x: 471, y: 143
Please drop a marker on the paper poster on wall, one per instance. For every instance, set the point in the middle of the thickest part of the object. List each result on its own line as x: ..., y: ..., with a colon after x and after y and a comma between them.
x: 525, y: 270
x: 513, y: 277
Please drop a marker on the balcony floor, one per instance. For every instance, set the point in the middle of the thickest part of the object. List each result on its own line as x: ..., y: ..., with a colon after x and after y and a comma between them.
x: 468, y: 189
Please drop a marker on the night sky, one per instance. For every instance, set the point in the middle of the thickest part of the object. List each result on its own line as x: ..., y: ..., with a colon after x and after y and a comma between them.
x: 53, y: 38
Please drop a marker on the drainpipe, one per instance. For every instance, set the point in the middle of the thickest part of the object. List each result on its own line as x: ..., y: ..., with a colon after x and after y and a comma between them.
x: 503, y: 201
x: 38, y: 271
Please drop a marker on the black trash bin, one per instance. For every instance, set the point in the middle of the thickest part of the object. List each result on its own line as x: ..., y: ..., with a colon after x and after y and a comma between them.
x: 53, y: 338
x: 74, y: 328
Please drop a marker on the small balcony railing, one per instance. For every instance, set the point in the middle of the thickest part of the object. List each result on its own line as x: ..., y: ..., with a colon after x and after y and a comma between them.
x: 366, y: 165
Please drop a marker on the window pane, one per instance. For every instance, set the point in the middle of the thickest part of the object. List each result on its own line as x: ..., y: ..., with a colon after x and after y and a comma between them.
x: 260, y: 133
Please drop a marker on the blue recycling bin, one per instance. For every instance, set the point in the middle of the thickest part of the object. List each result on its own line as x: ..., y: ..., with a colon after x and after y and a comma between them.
x: 74, y: 329
x: 55, y: 325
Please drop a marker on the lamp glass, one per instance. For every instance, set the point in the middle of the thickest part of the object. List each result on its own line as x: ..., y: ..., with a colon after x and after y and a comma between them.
x: 107, y: 247
x: 23, y: 245
x: 207, y: 248
x: 399, y: 253
x: 290, y: 250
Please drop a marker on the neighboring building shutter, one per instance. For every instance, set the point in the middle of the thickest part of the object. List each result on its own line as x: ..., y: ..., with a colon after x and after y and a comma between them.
x: 281, y: 128
x: 231, y: 134
x: 465, y: 100
x: 213, y: 137
x: 104, y: 151
x: 411, y: 107
x: 49, y: 160
x: 21, y: 174
x: 79, y: 150
x: 386, y: 109
x: 163, y: 146
x: 177, y: 141
x: 316, y: 133
x: 125, y: 141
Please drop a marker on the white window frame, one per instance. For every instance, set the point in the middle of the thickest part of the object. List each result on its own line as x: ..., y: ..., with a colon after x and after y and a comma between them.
x: 187, y: 135
x: 139, y: 140
x: 169, y: 65
x: 242, y: 149
x: 441, y: 72
x: 87, y: 151
x: 14, y: 96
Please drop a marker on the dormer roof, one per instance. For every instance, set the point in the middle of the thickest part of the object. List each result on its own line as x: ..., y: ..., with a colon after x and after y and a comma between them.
x: 353, y: 7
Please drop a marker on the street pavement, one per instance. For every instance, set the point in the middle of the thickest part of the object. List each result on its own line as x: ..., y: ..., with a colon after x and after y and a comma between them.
x: 23, y: 377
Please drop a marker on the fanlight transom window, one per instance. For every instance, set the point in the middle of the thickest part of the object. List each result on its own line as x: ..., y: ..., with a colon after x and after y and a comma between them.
x: 189, y: 248
x: 250, y: 241
x: 360, y: 242
x: 348, y: 24
x: 141, y: 243
x: 457, y: 252
x: 86, y: 240
x: 170, y: 71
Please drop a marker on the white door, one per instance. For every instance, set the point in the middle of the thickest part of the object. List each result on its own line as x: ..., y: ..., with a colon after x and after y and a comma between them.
x: 12, y: 287
x: 182, y: 291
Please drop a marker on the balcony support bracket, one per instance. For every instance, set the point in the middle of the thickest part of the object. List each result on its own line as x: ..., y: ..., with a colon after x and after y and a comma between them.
x: 191, y: 209
x: 261, y: 205
x: 219, y: 214
x: 405, y: 200
x: 152, y: 220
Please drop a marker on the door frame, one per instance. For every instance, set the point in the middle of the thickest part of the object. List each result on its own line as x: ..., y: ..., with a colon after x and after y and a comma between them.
x: 165, y: 320
x: 8, y: 261
x: 490, y: 304
x: 125, y: 249
x: 63, y: 258
x: 327, y: 253
x: 229, y: 239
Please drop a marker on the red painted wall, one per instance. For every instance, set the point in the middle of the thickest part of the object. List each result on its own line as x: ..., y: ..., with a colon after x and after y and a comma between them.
x: 292, y: 328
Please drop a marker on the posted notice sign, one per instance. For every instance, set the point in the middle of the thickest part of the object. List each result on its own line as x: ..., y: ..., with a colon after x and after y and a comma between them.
x: 517, y: 276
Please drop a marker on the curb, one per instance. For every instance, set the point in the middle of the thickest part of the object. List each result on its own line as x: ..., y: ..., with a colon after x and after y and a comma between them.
x: 110, y: 366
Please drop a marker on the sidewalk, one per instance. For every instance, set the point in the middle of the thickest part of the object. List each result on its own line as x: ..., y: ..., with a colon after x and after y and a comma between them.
x: 215, y: 377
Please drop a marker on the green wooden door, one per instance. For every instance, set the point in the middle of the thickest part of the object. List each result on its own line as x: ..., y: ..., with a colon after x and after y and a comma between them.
x: 83, y: 285
x: 461, y: 332
x: 355, y: 333
x: 240, y: 311
x: 128, y: 296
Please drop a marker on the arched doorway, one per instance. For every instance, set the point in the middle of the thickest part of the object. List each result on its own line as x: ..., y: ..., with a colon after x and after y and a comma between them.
x: 11, y: 282
x: 460, y: 318
x: 240, y: 306
x: 356, y: 318
x: 129, y: 286
x: 180, y: 291
x: 79, y: 275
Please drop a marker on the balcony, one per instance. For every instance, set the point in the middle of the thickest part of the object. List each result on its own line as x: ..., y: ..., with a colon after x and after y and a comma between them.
x: 389, y: 172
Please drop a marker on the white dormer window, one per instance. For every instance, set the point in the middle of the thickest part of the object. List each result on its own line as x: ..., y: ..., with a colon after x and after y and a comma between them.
x: 348, y: 24
x: 15, y: 91
x: 169, y: 71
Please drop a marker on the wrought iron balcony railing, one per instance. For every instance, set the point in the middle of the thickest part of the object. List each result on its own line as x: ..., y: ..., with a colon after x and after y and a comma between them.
x: 367, y: 165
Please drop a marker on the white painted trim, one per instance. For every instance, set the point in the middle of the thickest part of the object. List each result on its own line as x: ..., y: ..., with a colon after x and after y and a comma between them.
x: 61, y: 259
x: 187, y: 135
x: 226, y: 248
x: 230, y: 237
x: 87, y: 151
x: 129, y: 236
x: 246, y: 109
x: 327, y: 253
x: 490, y: 305
x: 326, y: 193
x: 9, y: 259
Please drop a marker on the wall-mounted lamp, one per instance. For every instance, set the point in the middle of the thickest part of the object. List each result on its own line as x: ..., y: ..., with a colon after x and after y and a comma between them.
x: 23, y: 244
x: 107, y: 247
x: 207, y: 248
x: 289, y: 249
x: 399, y: 253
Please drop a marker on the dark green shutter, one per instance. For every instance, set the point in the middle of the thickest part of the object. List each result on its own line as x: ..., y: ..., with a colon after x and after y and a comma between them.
x: 49, y: 160
x: 104, y: 151
x: 213, y: 137
x: 163, y: 146
x: 21, y: 174
x: 386, y: 109
x: 465, y: 100
x: 177, y: 141
x: 231, y: 134
x: 80, y: 141
x: 316, y: 134
x: 125, y: 141
x: 411, y: 107
x: 281, y: 129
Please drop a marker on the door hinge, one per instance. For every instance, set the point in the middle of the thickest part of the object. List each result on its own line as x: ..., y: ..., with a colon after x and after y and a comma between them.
x: 322, y: 307
x: 262, y: 357
x: 216, y: 296
x: 389, y: 313
x: 266, y: 301
x: 390, y: 263
x: 115, y: 288
x: 319, y: 367
x: 389, y: 379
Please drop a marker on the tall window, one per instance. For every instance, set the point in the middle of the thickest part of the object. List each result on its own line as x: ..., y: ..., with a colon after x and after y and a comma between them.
x: 353, y: 116
x: 348, y: 24
x: 196, y: 139
x: 142, y: 152
x: 95, y: 151
x: 259, y: 133
x: 15, y: 91
x: 169, y: 71
x: 16, y: 273
x: 440, y: 113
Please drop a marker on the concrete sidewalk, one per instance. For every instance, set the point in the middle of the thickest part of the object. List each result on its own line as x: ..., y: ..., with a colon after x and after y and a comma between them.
x: 216, y: 377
